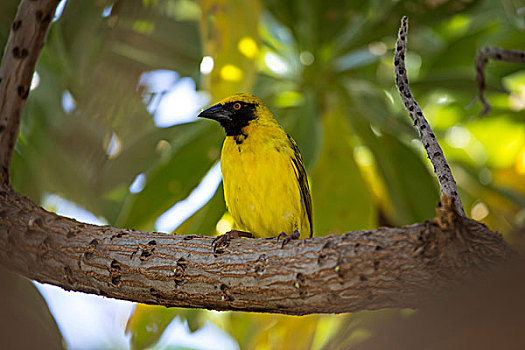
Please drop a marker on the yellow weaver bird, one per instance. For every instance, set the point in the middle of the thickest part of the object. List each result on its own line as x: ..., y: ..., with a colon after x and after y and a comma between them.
x: 265, y: 185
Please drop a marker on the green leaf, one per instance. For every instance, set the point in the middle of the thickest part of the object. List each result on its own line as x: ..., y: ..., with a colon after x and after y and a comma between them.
x: 147, y: 323
x: 342, y: 201
x: 374, y: 106
x: 411, y: 187
x: 191, y: 157
x: 303, y: 124
x: 502, y: 138
x: 141, y: 154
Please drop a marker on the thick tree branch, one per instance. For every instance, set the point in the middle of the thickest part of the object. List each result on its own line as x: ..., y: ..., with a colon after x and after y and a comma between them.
x: 388, y: 267
x: 495, y: 53
x: 365, y: 270
x: 21, y: 53
x: 434, y: 152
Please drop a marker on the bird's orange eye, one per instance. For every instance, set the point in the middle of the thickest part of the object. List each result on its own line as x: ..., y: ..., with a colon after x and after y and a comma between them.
x: 237, y: 106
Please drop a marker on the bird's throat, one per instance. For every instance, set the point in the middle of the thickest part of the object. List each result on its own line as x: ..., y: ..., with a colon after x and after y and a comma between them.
x: 239, y: 139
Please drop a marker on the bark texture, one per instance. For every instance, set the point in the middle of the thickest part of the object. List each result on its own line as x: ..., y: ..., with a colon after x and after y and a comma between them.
x: 364, y: 270
x: 21, y: 53
x: 442, y: 170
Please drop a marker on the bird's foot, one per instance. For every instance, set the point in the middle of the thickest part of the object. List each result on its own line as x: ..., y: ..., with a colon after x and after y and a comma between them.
x: 224, y: 240
x: 287, y: 238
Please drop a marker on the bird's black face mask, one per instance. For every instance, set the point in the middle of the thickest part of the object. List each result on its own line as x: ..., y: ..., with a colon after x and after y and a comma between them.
x: 233, y: 116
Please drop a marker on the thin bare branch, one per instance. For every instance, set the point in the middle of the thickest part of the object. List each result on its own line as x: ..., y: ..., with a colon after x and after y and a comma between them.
x: 25, y: 42
x: 495, y: 53
x: 434, y: 152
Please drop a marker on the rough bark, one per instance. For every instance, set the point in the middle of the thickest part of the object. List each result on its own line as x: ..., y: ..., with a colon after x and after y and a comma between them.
x: 21, y: 53
x: 388, y: 267
x: 364, y: 270
x: 442, y: 170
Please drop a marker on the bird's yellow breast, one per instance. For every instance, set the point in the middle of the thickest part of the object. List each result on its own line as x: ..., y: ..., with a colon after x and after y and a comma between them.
x: 261, y: 187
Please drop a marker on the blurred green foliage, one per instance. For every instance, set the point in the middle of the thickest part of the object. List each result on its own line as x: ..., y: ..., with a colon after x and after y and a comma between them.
x: 325, y: 69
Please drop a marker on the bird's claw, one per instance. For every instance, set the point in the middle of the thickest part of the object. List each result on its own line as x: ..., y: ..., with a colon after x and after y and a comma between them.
x: 224, y: 240
x: 287, y: 238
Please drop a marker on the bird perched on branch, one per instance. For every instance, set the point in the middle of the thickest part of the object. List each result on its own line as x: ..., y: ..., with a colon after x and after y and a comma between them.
x: 265, y: 184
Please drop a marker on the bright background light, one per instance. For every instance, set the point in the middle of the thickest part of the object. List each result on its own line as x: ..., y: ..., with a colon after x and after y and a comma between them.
x: 171, y: 99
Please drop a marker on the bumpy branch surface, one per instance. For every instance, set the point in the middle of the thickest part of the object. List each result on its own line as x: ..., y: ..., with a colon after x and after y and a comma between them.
x: 434, y: 152
x: 394, y: 267
x: 365, y: 270
x: 495, y: 53
x: 21, y: 53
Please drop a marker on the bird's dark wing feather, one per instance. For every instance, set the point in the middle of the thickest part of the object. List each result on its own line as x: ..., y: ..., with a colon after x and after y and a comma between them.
x: 297, y: 160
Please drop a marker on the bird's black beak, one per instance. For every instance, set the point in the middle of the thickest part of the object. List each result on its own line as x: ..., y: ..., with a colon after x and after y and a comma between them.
x: 217, y: 113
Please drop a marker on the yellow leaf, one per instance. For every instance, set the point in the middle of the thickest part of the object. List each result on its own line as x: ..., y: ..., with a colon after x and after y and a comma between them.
x: 230, y: 37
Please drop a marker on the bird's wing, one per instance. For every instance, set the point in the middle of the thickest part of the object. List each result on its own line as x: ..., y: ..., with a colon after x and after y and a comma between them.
x: 298, y: 164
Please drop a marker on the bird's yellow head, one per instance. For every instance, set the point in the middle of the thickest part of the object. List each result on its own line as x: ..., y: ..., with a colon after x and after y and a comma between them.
x: 238, y: 111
